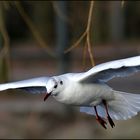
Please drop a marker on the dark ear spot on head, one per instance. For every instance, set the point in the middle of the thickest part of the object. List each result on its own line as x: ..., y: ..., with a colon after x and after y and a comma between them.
x: 55, y: 86
x: 61, y: 82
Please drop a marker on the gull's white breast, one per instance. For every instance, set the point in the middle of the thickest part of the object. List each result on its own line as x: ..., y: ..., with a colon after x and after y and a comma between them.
x: 84, y: 94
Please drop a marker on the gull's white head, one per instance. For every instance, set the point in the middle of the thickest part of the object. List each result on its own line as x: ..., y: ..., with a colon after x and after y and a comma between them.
x: 54, y: 86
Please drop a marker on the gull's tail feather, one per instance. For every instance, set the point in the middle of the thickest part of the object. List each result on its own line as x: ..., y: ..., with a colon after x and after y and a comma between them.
x: 124, y: 106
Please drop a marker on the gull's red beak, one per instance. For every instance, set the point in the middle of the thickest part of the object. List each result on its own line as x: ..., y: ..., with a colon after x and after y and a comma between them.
x: 46, y: 96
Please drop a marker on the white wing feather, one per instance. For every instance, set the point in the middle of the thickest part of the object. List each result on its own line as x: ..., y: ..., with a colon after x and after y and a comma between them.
x: 34, y: 82
x: 127, y: 62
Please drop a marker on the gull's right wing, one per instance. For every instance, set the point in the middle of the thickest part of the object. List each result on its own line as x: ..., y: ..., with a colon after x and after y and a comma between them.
x: 106, y: 71
x: 34, y: 85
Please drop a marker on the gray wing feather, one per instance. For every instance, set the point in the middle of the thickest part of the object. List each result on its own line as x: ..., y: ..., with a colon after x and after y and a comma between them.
x: 34, y: 90
x: 109, y: 74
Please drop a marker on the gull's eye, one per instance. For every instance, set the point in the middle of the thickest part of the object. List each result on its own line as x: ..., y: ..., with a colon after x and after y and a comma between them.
x: 61, y: 82
x: 55, y: 86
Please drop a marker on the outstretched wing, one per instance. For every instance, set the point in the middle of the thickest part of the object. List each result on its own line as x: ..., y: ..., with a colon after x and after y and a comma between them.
x: 34, y: 85
x: 106, y: 71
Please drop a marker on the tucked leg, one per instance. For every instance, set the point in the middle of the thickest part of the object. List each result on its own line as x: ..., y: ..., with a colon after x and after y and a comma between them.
x: 99, y: 119
x: 108, y: 116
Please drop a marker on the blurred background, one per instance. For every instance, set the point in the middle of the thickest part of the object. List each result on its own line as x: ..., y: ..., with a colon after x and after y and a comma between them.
x: 33, y: 38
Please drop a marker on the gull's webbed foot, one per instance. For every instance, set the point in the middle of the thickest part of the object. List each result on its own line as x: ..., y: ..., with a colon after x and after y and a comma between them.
x: 110, y: 121
x: 107, y: 114
x: 101, y: 121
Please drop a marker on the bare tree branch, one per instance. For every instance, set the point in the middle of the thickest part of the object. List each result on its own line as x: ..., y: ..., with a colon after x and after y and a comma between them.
x: 90, y: 16
x: 6, y: 45
x: 32, y: 27
x: 77, y: 42
x: 84, y: 54
x: 122, y: 3
x: 59, y: 12
x: 87, y: 35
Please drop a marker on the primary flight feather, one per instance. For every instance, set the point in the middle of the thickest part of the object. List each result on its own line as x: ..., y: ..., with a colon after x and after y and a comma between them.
x: 89, y: 90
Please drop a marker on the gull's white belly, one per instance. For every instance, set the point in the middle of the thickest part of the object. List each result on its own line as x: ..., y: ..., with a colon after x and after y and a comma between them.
x: 85, y: 94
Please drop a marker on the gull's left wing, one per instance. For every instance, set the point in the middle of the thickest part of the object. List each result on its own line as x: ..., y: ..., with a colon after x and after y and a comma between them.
x: 34, y: 85
x: 106, y: 71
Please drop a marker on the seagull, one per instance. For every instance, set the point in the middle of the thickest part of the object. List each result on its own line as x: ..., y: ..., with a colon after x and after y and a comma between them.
x: 89, y: 90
